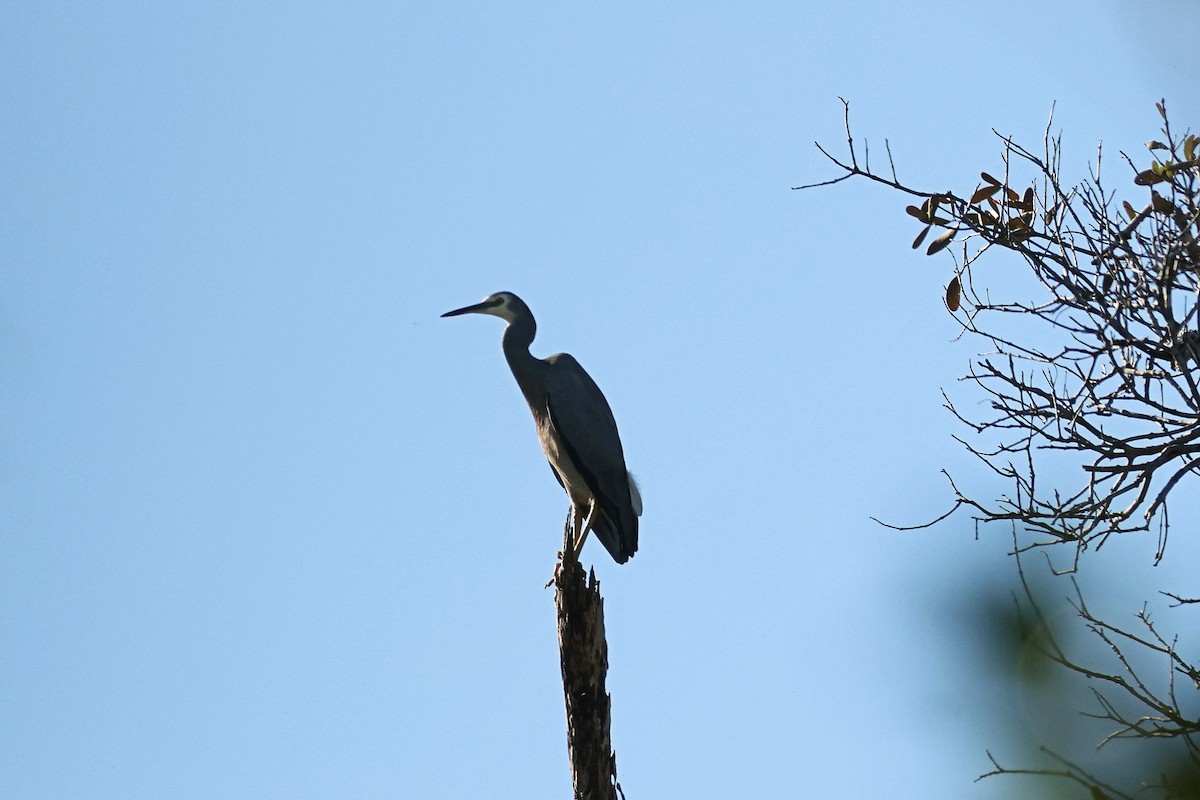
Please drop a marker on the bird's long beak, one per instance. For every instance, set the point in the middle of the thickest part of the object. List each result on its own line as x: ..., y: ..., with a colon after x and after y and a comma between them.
x: 478, y: 308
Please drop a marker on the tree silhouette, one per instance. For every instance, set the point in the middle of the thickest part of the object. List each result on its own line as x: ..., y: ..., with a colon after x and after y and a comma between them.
x: 1092, y: 387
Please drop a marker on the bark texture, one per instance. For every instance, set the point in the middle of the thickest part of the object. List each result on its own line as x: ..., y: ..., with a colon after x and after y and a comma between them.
x: 583, y: 653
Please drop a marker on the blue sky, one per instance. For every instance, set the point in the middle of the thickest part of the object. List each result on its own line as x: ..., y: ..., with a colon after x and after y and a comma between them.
x: 271, y: 528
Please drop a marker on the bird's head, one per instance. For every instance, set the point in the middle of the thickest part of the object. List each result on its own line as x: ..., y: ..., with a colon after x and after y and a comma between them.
x: 505, y: 305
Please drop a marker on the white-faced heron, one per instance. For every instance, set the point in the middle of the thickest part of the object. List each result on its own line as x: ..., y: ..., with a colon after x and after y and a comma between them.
x: 576, y: 429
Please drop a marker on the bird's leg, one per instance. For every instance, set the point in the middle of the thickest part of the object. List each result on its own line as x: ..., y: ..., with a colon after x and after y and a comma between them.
x: 573, y: 539
x: 581, y: 533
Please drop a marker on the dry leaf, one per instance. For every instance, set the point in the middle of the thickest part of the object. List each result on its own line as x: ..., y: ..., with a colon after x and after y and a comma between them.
x: 953, y: 292
x: 1161, y: 204
x: 920, y: 214
x: 941, y: 242
x: 984, y: 193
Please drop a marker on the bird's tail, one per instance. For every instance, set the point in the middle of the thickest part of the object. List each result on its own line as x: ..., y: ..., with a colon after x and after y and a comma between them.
x: 618, y: 546
x: 635, y: 495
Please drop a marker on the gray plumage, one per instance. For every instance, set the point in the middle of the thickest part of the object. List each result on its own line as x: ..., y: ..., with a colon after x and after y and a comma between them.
x: 575, y: 427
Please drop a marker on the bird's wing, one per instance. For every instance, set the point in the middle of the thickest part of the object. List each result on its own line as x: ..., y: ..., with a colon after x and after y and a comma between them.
x: 585, y: 422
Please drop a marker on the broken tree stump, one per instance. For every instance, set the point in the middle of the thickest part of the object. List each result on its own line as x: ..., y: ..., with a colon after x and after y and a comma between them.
x: 583, y: 653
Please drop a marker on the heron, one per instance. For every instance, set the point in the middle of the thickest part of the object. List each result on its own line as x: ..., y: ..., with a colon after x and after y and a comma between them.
x: 576, y: 429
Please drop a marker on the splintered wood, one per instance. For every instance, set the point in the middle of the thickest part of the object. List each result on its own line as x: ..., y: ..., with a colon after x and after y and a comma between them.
x: 583, y: 653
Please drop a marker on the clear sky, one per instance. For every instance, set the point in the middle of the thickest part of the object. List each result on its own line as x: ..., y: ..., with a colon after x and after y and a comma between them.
x: 270, y: 528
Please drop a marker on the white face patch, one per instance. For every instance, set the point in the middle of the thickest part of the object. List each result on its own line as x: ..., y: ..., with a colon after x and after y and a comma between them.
x: 504, y: 310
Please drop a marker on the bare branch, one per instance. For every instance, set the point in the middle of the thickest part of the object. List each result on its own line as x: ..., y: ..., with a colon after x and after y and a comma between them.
x: 1101, y: 368
x: 1068, y: 770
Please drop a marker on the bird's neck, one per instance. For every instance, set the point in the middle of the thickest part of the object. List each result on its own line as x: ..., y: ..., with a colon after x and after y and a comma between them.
x: 524, y: 365
x: 517, y: 338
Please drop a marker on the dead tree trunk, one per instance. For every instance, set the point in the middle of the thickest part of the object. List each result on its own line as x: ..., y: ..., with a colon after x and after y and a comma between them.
x: 583, y: 653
